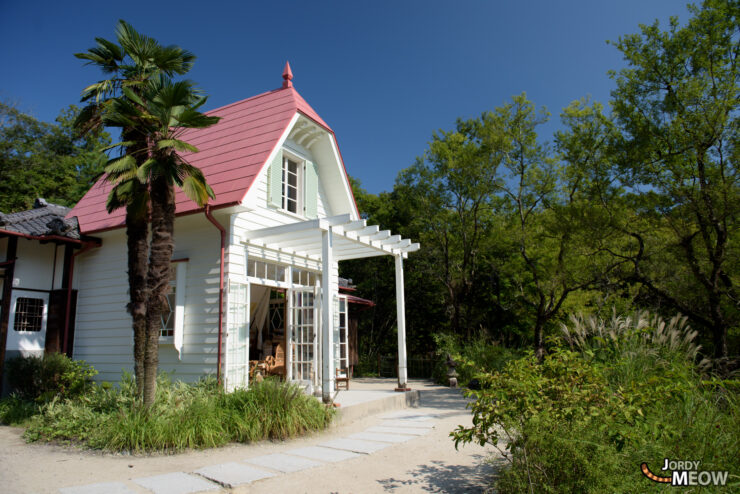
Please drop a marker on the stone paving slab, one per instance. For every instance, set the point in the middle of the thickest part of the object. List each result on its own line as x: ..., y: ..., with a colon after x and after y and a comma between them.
x: 102, y: 488
x: 409, y: 415
x: 323, y: 454
x: 355, y: 445
x: 410, y: 431
x: 233, y: 474
x: 382, y: 438
x: 408, y: 423
x: 283, y: 463
x: 176, y: 483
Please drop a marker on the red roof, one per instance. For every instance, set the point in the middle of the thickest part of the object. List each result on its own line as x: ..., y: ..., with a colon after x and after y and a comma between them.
x: 231, y: 154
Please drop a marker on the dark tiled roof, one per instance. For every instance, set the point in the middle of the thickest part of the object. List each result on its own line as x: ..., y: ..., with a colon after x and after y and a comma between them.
x: 44, y: 219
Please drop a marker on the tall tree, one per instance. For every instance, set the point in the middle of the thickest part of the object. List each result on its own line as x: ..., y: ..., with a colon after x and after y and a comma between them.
x: 677, y: 106
x: 40, y: 159
x: 453, y: 185
x: 129, y: 64
x: 161, y: 111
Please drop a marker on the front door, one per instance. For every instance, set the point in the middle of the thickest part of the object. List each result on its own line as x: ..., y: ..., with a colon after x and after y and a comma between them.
x: 27, y: 322
x: 302, y: 319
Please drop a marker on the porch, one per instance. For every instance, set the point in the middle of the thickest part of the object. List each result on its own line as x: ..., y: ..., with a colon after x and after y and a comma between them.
x: 303, y: 274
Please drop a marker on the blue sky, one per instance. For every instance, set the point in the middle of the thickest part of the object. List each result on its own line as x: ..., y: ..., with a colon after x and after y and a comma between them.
x: 383, y: 74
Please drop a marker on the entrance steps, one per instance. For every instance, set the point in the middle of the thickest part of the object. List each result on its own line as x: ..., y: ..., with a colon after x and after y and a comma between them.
x: 370, y: 396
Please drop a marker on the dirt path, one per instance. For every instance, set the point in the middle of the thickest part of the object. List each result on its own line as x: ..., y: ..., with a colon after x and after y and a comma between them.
x: 425, y: 463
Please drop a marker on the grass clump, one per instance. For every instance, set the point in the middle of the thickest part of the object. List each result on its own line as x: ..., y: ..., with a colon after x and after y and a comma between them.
x: 607, y: 397
x: 184, y: 416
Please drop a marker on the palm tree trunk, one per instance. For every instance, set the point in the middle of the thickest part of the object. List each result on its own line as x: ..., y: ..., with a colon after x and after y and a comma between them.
x: 137, y: 237
x: 137, y: 240
x: 158, y: 277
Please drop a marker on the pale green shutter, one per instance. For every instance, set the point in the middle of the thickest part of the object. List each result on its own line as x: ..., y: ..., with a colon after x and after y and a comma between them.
x: 312, y: 190
x: 275, y: 181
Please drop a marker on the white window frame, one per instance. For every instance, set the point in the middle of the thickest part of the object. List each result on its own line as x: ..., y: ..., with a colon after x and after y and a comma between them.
x: 179, y: 284
x: 27, y: 340
x: 300, y: 184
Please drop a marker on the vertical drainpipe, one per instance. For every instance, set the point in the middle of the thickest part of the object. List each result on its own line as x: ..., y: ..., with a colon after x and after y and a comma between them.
x: 85, y: 248
x: 213, y: 220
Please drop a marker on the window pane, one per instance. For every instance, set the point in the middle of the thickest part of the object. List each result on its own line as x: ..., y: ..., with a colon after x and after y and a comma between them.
x: 29, y: 313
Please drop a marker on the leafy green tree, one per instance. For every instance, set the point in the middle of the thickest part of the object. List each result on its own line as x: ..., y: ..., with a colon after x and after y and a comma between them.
x: 130, y: 63
x: 40, y: 159
x: 677, y: 107
x: 547, y: 212
x: 453, y: 185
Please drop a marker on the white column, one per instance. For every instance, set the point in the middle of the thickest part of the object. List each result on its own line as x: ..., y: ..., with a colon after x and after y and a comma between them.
x: 290, y: 304
x: 327, y: 318
x: 248, y: 322
x: 401, y: 316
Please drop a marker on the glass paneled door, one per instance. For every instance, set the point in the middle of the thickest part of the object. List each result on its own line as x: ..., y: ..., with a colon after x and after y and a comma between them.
x: 302, y: 319
x: 341, y: 341
x: 237, y: 337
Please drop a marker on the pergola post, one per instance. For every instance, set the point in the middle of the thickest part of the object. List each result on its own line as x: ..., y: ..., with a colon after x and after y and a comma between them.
x: 401, y: 316
x: 327, y: 316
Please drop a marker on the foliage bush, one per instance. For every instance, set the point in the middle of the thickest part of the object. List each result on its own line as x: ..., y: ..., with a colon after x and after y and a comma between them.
x: 472, y: 356
x: 625, y: 391
x: 54, y: 375
x: 183, y: 416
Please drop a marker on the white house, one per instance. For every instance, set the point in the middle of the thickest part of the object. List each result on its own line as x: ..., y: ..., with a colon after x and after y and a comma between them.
x: 256, y: 270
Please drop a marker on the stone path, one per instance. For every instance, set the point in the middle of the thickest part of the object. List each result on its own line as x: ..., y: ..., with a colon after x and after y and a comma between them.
x: 393, y: 428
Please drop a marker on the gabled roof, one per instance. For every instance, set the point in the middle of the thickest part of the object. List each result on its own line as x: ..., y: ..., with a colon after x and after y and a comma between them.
x: 231, y: 154
x: 45, y: 219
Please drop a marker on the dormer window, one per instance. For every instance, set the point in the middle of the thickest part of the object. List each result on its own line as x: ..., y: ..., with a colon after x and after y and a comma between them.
x: 293, y: 185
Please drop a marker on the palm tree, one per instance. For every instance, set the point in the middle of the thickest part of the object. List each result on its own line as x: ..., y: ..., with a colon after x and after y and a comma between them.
x: 130, y: 63
x: 162, y: 110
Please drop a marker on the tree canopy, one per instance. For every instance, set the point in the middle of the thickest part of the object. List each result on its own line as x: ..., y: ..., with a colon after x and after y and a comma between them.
x: 634, y: 208
x: 49, y: 160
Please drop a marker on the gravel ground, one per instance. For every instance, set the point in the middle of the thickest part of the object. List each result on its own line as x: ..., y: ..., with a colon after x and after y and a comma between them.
x: 425, y: 463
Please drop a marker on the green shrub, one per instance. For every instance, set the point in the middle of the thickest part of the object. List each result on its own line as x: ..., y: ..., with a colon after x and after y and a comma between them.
x: 480, y: 354
x: 183, y: 416
x: 584, y: 418
x: 54, y: 375
x: 15, y: 411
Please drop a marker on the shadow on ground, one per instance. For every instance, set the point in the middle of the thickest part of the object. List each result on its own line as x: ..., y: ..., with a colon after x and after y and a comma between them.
x: 444, y: 399
x: 441, y: 477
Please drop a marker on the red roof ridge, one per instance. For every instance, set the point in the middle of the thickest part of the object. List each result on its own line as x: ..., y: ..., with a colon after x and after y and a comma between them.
x: 241, y: 101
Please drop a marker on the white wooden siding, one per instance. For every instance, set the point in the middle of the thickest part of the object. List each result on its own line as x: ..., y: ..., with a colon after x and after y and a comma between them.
x: 103, y: 335
x: 34, y: 268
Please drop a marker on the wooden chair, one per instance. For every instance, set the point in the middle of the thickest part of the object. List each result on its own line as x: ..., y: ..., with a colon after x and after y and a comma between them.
x: 276, y: 364
x: 342, y: 377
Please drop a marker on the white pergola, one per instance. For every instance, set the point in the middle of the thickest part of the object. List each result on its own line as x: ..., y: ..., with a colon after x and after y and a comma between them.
x: 339, y: 238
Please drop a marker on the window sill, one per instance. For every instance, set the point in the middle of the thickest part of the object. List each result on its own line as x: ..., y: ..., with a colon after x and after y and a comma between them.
x: 289, y: 213
x: 166, y: 340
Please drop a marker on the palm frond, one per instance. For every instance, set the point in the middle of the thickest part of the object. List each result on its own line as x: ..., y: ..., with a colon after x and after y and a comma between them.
x: 122, y: 144
x: 197, y: 190
x: 117, y: 166
x: 130, y: 94
x: 147, y: 170
x: 177, y: 144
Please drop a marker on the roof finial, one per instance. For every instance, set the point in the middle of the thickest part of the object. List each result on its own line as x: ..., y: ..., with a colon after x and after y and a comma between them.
x: 287, y: 76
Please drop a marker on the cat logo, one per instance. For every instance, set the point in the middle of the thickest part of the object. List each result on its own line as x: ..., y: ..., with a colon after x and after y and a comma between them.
x: 685, y: 473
